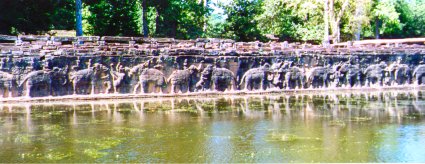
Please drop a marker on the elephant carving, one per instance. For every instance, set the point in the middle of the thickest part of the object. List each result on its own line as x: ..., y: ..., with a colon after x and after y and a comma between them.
x: 7, y: 84
x: 319, y: 77
x: 374, y: 74
x: 182, y: 79
x: 256, y: 76
x: 121, y: 80
x: 87, y: 80
x: 294, y: 78
x: 279, y: 71
x: 399, y: 74
x: 46, y: 80
x: 218, y: 79
x: 148, y: 76
x: 419, y: 75
x: 349, y: 75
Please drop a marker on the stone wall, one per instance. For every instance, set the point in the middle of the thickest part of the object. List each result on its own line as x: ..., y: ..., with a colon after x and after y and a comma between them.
x: 38, y: 66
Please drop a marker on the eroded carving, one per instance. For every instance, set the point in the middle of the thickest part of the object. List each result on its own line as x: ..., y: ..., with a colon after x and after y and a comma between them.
x: 148, y: 76
x: 374, y: 74
x: 40, y: 80
x: 319, y: 77
x: 87, y: 80
x: 257, y: 76
x: 181, y: 80
x: 42, y: 77
x: 7, y: 84
x: 217, y: 79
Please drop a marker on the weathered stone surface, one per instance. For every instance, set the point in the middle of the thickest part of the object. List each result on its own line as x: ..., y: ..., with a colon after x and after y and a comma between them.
x: 8, y: 38
x: 115, y: 39
x: 88, y: 38
x: 51, y: 66
x: 164, y: 40
x: 142, y: 40
x: 63, y: 39
x: 33, y: 38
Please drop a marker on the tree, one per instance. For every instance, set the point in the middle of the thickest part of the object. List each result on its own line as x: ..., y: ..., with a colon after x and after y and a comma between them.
x: 326, y: 21
x: 180, y: 19
x: 243, y: 20
x: 9, y: 16
x: 29, y: 16
x: 240, y: 23
x: 278, y: 18
x: 293, y: 20
x: 412, y: 16
x: 145, y: 18
x: 79, y: 17
x: 385, y: 16
x: 335, y: 18
x: 215, y: 27
x: 113, y: 17
x: 360, y: 17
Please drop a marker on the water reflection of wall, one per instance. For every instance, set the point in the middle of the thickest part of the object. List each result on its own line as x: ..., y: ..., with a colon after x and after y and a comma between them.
x: 226, y: 129
x: 372, y: 104
x: 361, y: 107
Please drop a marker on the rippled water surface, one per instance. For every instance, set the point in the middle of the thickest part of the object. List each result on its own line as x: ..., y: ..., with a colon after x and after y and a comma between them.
x: 351, y: 127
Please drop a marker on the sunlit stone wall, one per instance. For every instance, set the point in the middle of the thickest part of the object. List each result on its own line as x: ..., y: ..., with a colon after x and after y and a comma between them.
x: 38, y: 66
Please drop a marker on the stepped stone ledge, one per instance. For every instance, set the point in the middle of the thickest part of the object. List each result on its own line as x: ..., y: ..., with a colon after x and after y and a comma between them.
x: 33, y: 45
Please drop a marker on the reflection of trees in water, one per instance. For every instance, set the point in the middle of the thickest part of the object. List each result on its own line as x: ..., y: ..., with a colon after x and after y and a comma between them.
x: 392, y: 106
x: 239, y: 124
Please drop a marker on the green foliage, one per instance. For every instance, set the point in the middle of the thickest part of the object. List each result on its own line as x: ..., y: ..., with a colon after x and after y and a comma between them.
x: 411, y: 18
x: 182, y: 19
x: 215, y: 27
x: 241, y: 24
x: 243, y: 20
x: 414, y: 18
x: 298, y: 20
x: 63, y: 15
x: 278, y: 19
x: 36, y: 16
x: 113, y: 17
x: 387, y: 15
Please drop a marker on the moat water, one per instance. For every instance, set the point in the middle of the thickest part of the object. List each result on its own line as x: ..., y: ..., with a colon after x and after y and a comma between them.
x: 349, y: 127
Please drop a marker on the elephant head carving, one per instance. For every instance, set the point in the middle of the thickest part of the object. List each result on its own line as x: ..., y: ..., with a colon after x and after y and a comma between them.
x: 375, y: 74
x: 183, y: 80
x: 92, y: 78
x: 218, y: 79
x: 257, y: 76
x: 52, y: 80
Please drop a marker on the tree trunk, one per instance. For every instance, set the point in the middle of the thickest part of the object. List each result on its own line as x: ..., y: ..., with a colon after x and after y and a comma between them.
x: 157, y: 25
x: 358, y: 14
x: 336, y: 19
x: 145, y: 18
x: 326, y: 22
x: 205, y: 16
x: 332, y: 20
x: 79, y: 17
x: 377, y: 24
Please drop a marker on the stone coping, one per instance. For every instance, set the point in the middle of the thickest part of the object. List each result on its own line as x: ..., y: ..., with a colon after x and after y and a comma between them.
x: 34, y: 45
x: 271, y: 92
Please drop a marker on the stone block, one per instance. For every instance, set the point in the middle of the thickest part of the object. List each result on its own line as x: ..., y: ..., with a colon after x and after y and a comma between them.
x: 63, y: 39
x: 116, y: 39
x: 164, y: 40
x: 8, y: 38
x: 142, y: 40
x: 88, y: 38
x: 33, y: 38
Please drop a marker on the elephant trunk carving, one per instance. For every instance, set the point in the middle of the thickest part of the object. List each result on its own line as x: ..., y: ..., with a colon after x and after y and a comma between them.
x: 163, y: 75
